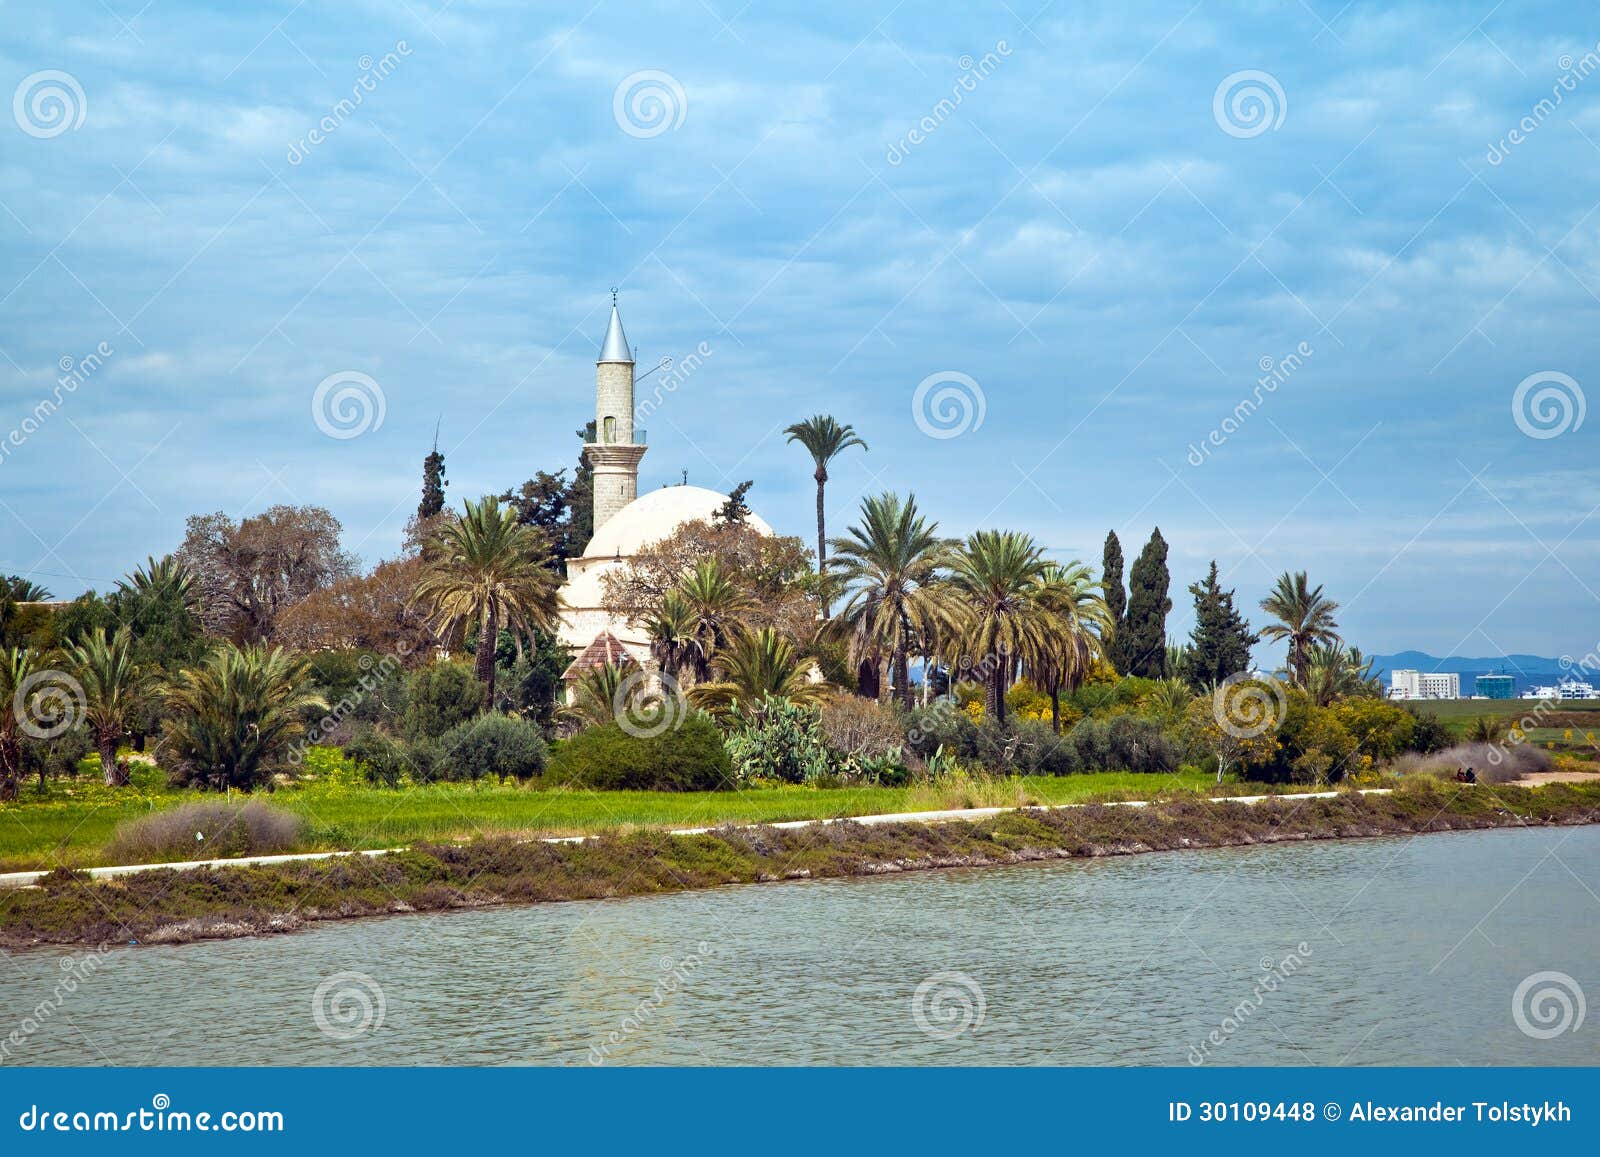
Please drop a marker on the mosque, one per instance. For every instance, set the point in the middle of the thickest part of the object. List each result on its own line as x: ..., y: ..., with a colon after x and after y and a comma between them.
x: 623, y: 522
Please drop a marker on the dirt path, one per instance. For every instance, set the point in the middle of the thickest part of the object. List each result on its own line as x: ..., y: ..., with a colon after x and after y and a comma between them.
x: 1534, y: 778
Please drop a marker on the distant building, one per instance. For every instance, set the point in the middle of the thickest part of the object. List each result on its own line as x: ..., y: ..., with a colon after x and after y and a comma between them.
x: 1495, y: 687
x: 1566, y: 689
x: 1410, y: 684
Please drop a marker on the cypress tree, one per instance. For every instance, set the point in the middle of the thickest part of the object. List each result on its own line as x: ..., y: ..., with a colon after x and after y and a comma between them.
x: 1221, y: 640
x: 433, y: 483
x: 1116, y: 598
x: 1144, y: 637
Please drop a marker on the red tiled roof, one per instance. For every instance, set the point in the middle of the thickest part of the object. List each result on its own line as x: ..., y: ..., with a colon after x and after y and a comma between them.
x: 605, y: 649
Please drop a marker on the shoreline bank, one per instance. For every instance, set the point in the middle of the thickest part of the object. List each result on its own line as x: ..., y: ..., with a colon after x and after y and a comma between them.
x: 166, y: 906
x: 31, y: 879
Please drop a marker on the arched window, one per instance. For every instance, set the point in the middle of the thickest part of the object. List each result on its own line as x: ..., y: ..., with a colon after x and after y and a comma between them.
x: 611, y: 429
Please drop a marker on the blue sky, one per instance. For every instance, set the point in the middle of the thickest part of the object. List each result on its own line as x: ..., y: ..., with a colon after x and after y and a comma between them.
x: 1095, y: 236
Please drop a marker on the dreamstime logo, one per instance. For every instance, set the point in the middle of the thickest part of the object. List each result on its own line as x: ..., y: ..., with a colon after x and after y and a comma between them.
x: 973, y: 72
x: 648, y: 103
x: 348, y: 1005
x: 1248, y: 103
x: 47, y: 104
x: 947, y: 1004
x: 373, y: 72
x: 75, y: 971
x: 1548, y: 404
x: 1246, y: 707
x: 1274, y: 974
x: 1547, y: 1004
x: 948, y: 404
x: 74, y: 373
x: 348, y: 404
x: 674, y: 977
x: 645, y: 708
x: 48, y: 704
x: 1274, y: 373
x: 676, y: 372
x: 369, y: 682
x: 1573, y: 73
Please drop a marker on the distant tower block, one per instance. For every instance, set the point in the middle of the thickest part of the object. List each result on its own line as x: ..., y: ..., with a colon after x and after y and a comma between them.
x: 614, y: 455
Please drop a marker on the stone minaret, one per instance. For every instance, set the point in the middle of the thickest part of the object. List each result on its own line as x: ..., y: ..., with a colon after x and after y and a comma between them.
x: 614, y: 455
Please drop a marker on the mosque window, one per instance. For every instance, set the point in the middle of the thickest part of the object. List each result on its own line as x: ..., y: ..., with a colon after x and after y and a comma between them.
x: 611, y: 429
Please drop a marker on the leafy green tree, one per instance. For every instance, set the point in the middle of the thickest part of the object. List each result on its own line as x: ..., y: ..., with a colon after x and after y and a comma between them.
x: 1219, y: 645
x: 735, y: 510
x: 546, y: 501
x: 21, y: 590
x: 487, y: 568
x: 1144, y: 645
x: 825, y: 439
x: 1116, y: 598
x: 438, y: 697
x: 114, y: 689
x: 1305, y: 617
x: 581, y: 499
x: 232, y: 721
x: 497, y: 745
x: 1233, y: 746
x: 889, y: 566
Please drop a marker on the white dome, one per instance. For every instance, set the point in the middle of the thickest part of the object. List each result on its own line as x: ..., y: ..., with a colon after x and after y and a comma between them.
x: 653, y: 516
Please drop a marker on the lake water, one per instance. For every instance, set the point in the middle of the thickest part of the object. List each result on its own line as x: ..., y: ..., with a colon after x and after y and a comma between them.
x: 1392, y: 951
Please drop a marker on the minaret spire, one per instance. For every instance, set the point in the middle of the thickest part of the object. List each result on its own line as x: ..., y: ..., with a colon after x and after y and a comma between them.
x: 614, y: 454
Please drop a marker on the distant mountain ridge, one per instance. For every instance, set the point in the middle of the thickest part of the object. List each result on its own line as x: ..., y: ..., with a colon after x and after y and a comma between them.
x: 1528, y: 670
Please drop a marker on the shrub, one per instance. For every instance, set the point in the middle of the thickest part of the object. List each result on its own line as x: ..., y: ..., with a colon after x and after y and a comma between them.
x: 780, y: 740
x: 1118, y: 743
x: 689, y: 757
x: 942, y: 724
x: 853, y: 725
x: 1025, y: 746
x: 208, y: 830
x: 438, y: 697
x: 1493, y: 762
x: 498, y: 745
x: 1429, y: 735
x: 386, y: 761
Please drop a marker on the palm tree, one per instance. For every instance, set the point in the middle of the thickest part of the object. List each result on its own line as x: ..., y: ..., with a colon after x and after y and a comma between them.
x: 1169, y: 700
x: 716, y: 607
x: 158, y: 578
x: 16, y: 664
x: 890, y: 565
x: 1305, y: 618
x: 1337, y: 672
x: 826, y: 440
x: 1075, y: 636
x: 671, y: 631
x: 595, y: 700
x: 756, y: 665
x: 486, y: 567
x: 231, y: 720
x: 114, y: 689
x: 996, y: 579
x: 21, y: 590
